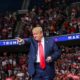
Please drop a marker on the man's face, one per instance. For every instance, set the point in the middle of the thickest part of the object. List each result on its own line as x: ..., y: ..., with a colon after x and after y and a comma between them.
x: 37, y: 35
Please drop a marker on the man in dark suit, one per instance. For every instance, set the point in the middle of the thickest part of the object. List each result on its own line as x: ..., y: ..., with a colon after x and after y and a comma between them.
x: 42, y: 55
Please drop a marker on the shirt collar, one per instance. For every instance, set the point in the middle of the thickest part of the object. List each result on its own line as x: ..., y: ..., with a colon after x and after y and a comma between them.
x: 42, y: 40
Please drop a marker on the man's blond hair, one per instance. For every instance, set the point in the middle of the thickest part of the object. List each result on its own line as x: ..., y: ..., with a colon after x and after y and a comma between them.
x: 37, y: 29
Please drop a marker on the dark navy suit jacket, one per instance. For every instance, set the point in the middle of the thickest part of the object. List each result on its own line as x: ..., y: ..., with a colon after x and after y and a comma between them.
x: 51, y: 49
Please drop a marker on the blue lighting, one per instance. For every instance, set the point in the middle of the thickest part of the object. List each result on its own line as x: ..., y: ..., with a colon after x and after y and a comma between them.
x: 55, y: 38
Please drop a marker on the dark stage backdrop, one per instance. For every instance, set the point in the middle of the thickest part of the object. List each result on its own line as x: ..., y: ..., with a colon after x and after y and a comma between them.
x: 10, y: 5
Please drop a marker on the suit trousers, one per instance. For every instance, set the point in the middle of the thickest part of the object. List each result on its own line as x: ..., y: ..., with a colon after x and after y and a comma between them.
x: 41, y: 74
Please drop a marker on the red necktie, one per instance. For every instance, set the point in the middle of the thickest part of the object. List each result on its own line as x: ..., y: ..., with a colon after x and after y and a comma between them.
x: 42, y: 57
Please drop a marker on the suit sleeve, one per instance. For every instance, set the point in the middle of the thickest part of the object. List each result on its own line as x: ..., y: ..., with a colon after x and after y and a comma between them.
x: 31, y: 58
x: 56, y: 52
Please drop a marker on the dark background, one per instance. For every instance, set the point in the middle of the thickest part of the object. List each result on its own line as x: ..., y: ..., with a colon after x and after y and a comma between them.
x: 10, y: 5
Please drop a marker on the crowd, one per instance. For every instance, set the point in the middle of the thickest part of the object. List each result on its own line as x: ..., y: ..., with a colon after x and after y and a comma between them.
x: 7, y: 25
x: 58, y: 20
x: 55, y: 20
x: 13, y: 66
x: 67, y: 67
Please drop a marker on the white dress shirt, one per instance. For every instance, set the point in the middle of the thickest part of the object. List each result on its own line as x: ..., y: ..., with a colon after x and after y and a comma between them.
x: 38, y: 56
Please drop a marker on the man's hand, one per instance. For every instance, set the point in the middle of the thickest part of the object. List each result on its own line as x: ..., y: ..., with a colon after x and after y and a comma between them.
x: 49, y: 59
x: 20, y: 41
